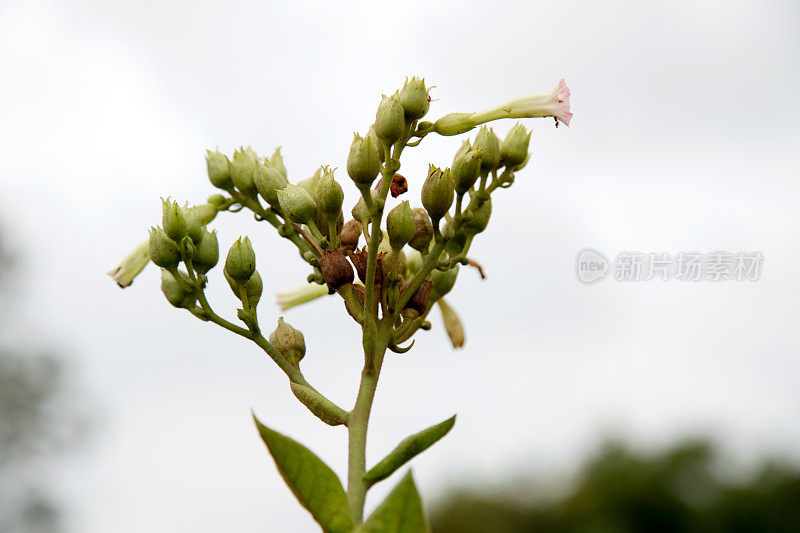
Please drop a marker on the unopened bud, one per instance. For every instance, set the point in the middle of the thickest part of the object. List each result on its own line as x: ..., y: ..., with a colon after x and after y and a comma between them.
x: 206, y: 253
x: 296, y: 204
x: 364, y: 161
x: 466, y: 167
x: 163, y: 251
x: 423, y: 230
x: 360, y: 211
x: 414, y: 99
x: 172, y: 220
x: 276, y: 161
x: 400, y: 225
x: 350, y: 234
x: 390, y: 121
x: 329, y: 195
x: 413, y: 263
x: 480, y: 218
x: 241, y: 261
x: 487, y: 142
x: 243, y: 168
x: 176, y: 291
x: 393, y: 264
x: 376, y: 142
x: 514, y: 150
x: 218, y: 171
x: 217, y: 201
x: 310, y: 184
x: 437, y: 192
x: 253, y: 287
x: 269, y: 181
x: 443, y: 281
x: 194, y: 226
x: 289, y: 342
x: 336, y: 269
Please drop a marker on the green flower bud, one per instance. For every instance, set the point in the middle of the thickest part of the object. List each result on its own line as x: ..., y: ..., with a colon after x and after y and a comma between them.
x: 241, y: 261
x: 269, y: 181
x: 443, y: 281
x: 276, y: 161
x: 414, y: 99
x: 217, y: 201
x: 454, y: 124
x: 253, y: 287
x: 296, y: 204
x: 413, y: 263
x: 194, y: 226
x: 400, y: 225
x: 376, y: 141
x: 393, y: 264
x: 218, y: 171
x: 488, y: 143
x: 176, y: 292
x: 423, y: 230
x: 437, y: 192
x: 310, y: 184
x: 466, y: 167
x: 163, y: 251
x: 360, y: 211
x: 480, y: 218
x: 206, y: 253
x: 514, y: 150
x: 329, y: 195
x: 172, y: 220
x: 243, y: 168
x: 289, y: 342
x: 390, y: 121
x: 364, y: 161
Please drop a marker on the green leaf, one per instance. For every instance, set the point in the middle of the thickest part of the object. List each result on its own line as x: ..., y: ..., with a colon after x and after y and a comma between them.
x: 400, y: 512
x: 313, y: 483
x: 407, y: 449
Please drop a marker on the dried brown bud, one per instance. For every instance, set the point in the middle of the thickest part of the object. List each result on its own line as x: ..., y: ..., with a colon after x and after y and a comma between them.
x: 421, y: 297
x: 359, y: 259
x: 398, y: 186
x: 350, y: 234
x: 336, y: 269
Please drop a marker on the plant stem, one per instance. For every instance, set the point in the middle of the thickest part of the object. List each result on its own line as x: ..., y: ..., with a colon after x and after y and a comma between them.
x: 357, y: 423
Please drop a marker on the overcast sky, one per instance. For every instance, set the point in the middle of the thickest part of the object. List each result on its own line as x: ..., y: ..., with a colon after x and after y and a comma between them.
x: 685, y: 137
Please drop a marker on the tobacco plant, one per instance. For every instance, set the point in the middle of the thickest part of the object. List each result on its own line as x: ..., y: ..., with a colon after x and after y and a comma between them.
x: 409, y: 261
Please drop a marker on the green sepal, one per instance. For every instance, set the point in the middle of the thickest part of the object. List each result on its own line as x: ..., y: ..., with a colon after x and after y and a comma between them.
x: 400, y: 512
x: 313, y: 483
x: 407, y: 449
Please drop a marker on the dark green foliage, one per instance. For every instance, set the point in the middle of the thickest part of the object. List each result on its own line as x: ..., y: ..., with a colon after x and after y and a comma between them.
x: 619, y: 491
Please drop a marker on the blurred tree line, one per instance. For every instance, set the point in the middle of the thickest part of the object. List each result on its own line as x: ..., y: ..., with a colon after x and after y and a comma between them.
x: 685, y: 488
x: 35, y: 422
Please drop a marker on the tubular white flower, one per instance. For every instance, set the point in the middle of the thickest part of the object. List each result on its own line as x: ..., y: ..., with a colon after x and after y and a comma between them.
x: 300, y: 295
x: 132, y: 265
x: 552, y: 104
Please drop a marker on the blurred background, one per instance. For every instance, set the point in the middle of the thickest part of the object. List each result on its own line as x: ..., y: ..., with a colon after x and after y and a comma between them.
x: 652, y: 406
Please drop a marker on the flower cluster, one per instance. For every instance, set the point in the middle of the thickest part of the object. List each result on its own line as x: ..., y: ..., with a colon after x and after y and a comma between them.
x: 409, y: 261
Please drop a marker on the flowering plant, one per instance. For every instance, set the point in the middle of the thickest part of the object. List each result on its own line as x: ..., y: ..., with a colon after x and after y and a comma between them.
x: 402, y: 271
